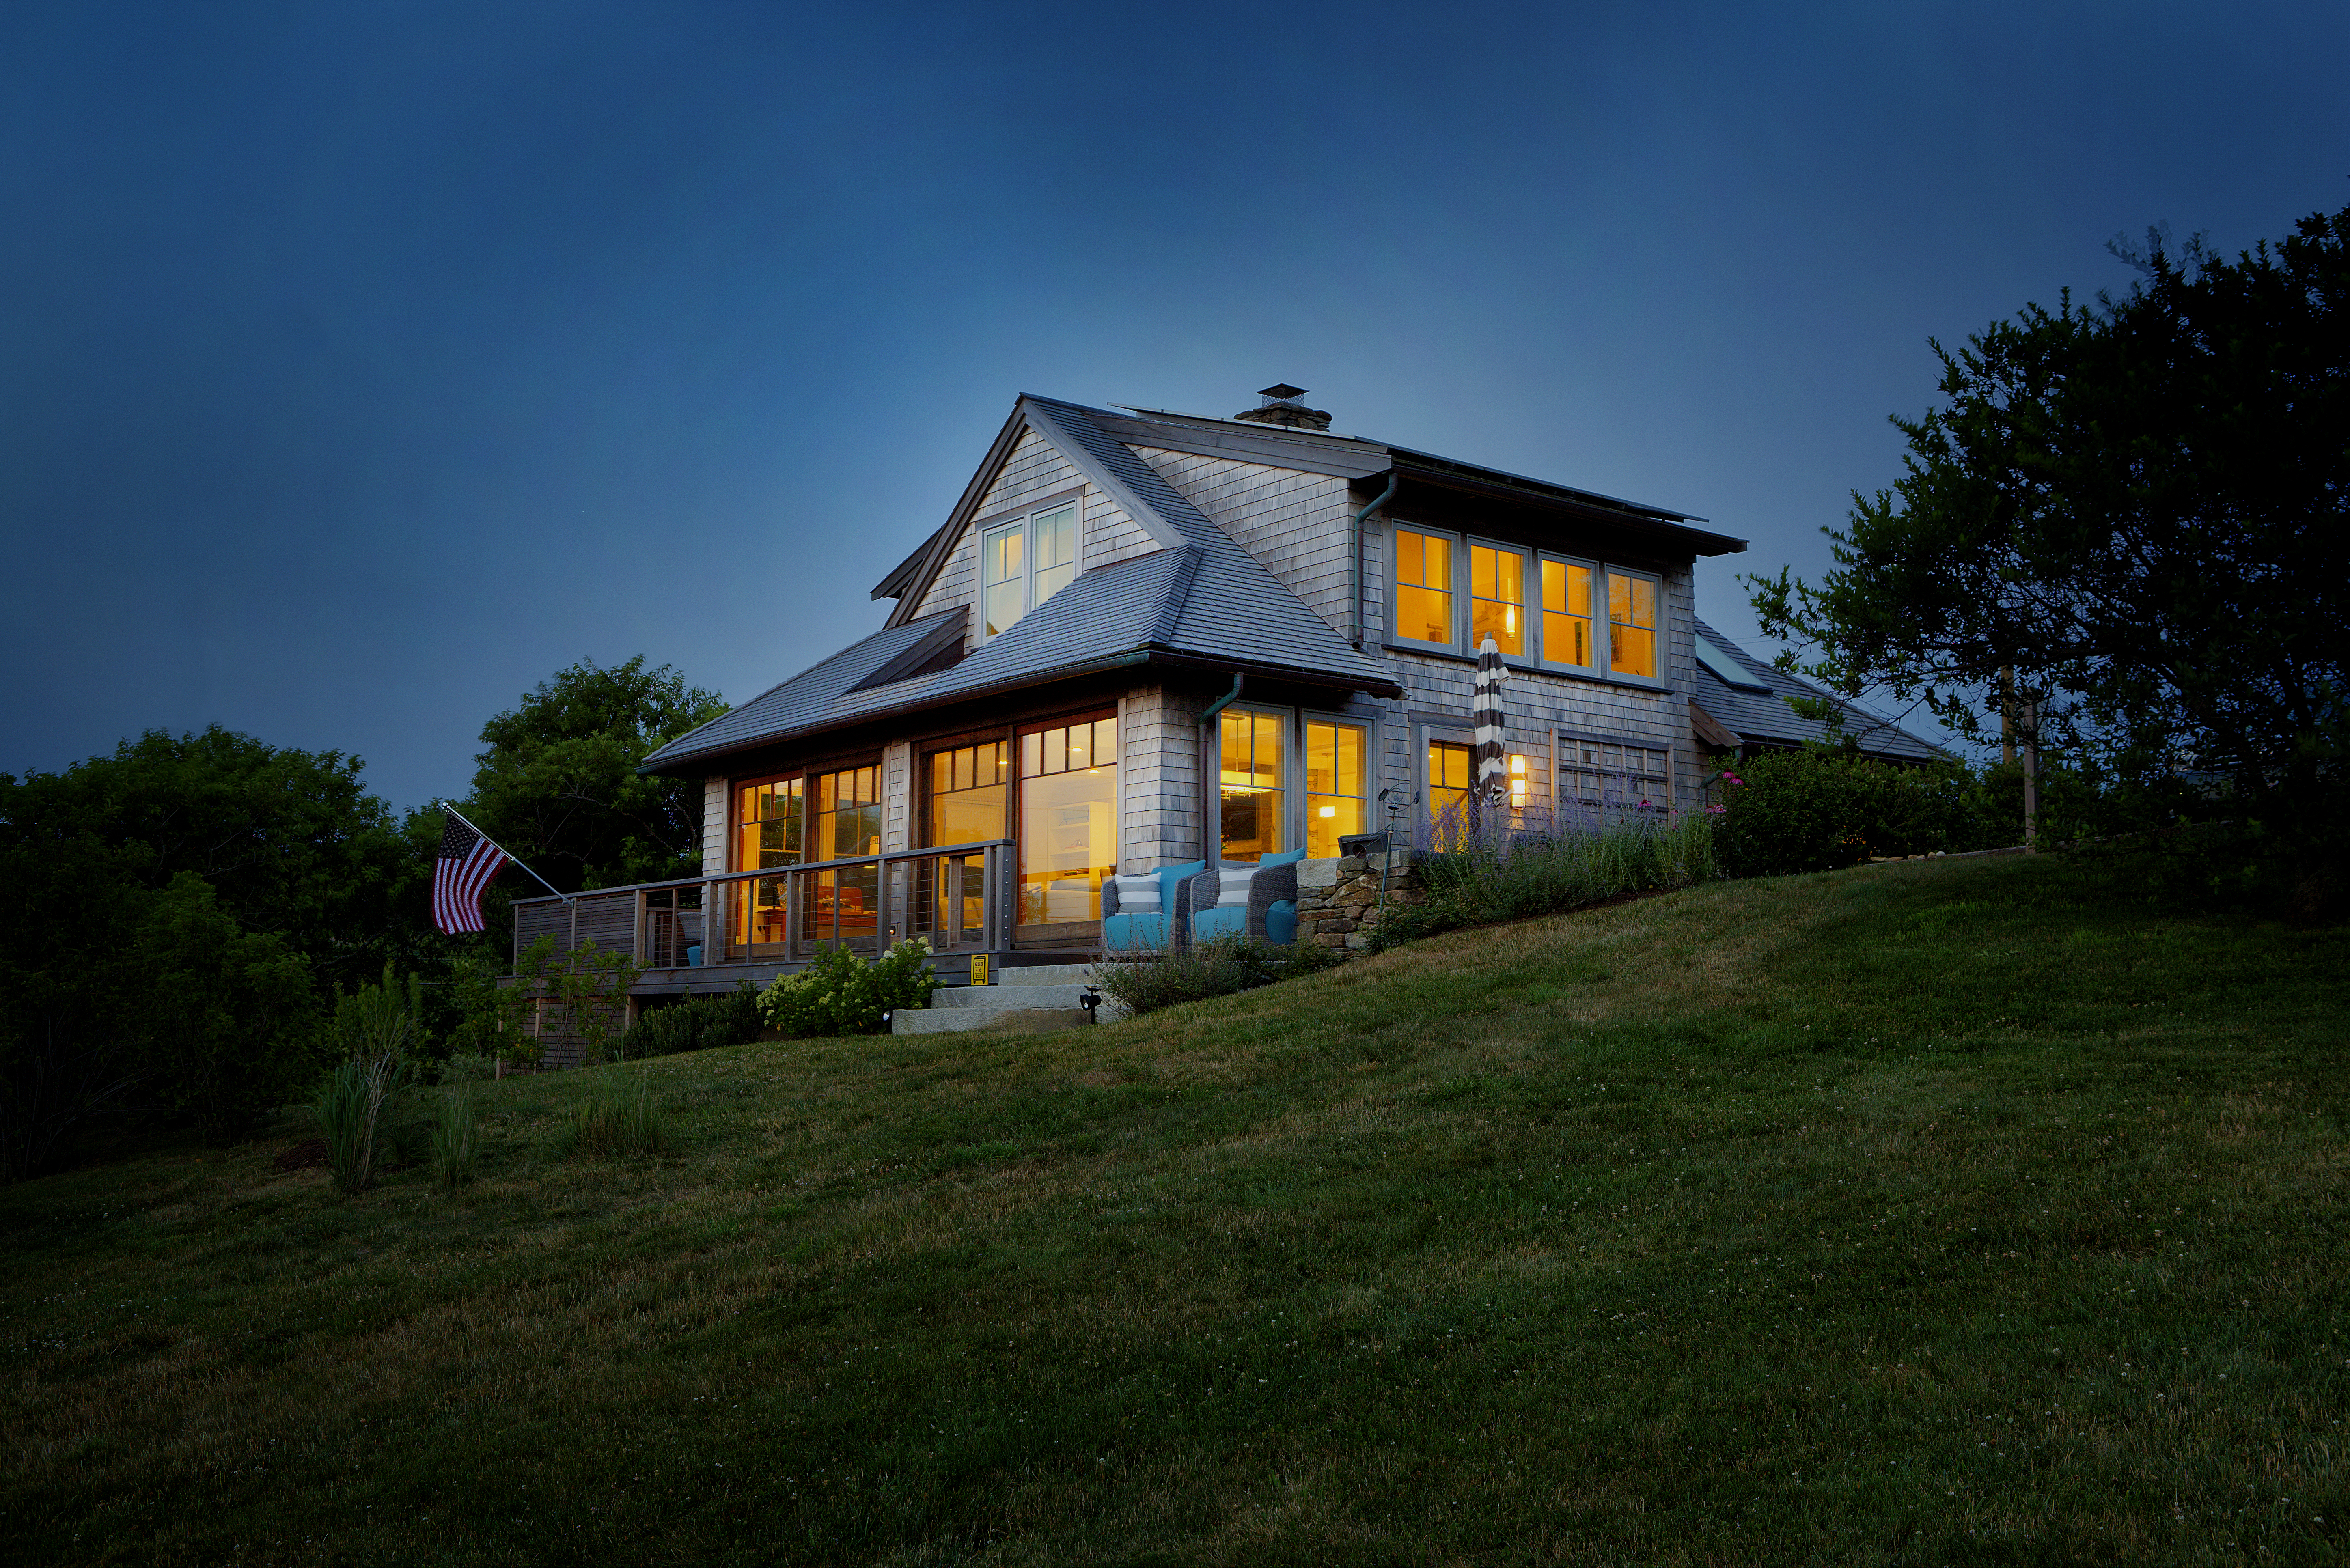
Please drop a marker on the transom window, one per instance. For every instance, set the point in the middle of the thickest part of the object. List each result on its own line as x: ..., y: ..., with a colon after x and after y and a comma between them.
x: 1025, y: 562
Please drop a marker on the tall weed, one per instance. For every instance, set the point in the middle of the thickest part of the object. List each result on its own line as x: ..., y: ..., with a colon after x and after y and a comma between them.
x: 455, y: 1144
x: 349, y: 1105
x: 1154, y: 978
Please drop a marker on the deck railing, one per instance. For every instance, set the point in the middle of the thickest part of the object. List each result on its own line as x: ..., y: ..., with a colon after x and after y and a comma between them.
x: 958, y: 898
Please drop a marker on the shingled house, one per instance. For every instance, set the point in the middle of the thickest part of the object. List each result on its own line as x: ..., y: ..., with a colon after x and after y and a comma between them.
x: 1143, y: 636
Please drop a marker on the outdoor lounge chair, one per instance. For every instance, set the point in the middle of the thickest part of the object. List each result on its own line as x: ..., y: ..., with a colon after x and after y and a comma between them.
x: 1126, y: 927
x: 1256, y: 902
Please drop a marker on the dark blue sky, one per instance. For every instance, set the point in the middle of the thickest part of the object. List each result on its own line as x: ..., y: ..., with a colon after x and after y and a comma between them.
x: 364, y: 365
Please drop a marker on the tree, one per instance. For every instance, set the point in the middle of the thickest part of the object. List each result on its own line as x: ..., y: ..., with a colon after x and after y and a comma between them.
x: 559, y: 783
x: 291, y: 841
x: 2136, y: 507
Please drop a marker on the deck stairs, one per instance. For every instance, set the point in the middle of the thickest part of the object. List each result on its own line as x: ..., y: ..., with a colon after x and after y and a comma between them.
x: 1033, y: 998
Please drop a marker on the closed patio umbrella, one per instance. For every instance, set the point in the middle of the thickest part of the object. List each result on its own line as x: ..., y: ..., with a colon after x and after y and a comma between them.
x: 1492, y: 790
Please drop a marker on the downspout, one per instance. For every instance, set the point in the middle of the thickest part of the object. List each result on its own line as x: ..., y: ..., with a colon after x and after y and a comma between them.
x: 1354, y: 553
x: 1209, y: 800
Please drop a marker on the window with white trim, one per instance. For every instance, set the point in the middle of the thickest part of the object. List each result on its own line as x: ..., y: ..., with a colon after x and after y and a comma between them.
x: 1633, y: 623
x: 1025, y: 562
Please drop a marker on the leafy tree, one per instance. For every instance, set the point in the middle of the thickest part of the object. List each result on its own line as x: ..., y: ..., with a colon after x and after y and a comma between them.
x: 2137, y: 506
x: 559, y: 783
x: 290, y: 841
x: 225, y: 1018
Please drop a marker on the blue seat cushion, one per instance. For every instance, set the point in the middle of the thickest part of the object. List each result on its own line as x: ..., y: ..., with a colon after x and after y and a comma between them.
x: 1280, y: 922
x: 1223, y: 920
x: 1132, y: 933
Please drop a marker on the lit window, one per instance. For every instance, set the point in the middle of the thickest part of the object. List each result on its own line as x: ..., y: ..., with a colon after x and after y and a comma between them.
x: 1338, y: 783
x: 1631, y: 625
x: 1423, y: 570
x: 1497, y: 599
x: 1069, y: 792
x: 1566, y: 614
x: 1022, y: 564
x: 768, y: 826
x: 1449, y: 779
x: 1255, y: 782
x: 969, y: 786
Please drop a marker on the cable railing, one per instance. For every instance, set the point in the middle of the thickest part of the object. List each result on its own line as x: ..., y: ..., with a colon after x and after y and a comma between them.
x: 958, y: 898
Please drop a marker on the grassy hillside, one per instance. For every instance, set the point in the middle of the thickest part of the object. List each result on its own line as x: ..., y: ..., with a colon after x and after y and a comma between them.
x: 1928, y: 1212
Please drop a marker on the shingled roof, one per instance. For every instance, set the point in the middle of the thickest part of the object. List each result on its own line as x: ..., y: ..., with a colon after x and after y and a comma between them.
x: 1750, y: 698
x: 1202, y: 601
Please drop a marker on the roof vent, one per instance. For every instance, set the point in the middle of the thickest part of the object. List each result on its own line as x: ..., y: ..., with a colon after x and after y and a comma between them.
x: 1282, y: 404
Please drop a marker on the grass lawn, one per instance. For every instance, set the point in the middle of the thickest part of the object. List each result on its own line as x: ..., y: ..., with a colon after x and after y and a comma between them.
x: 1932, y: 1212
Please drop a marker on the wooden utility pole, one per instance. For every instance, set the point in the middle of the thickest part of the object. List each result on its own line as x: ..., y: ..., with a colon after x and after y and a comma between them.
x: 2007, y: 716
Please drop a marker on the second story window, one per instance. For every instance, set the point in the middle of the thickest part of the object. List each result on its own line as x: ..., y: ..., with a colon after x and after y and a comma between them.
x: 1025, y: 562
x: 1497, y: 599
x: 1631, y: 624
x: 1423, y: 571
x: 1566, y: 630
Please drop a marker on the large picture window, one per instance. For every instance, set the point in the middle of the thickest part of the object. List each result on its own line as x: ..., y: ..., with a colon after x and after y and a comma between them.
x: 844, y: 819
x: 1338, y: 783
x: 1068, y: 806
x: 1255, y: 744
x: 1025, y: 562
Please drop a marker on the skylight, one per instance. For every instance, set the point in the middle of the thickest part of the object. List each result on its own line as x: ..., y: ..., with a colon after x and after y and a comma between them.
x: 1725, y: 669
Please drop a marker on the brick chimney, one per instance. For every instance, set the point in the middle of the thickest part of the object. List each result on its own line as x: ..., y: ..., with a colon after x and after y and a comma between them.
x: 1282, y: 404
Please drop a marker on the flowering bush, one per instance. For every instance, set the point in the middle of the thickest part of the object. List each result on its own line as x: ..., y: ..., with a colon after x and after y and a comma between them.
x: 840, y: 993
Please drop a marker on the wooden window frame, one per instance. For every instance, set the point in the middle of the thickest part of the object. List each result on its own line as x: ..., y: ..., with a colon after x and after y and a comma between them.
x: 1025, y: 519
x: 1371, y: 773
x: 1530, y: 607
x: 1457, y: 588
x: 1662, y: 680
x: 1598, y: 665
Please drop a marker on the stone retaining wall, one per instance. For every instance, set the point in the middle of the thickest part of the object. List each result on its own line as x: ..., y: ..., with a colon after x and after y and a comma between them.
x: 1339, y: 898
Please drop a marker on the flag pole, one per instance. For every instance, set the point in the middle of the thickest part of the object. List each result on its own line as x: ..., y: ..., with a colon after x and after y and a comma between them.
x: 509, y: 853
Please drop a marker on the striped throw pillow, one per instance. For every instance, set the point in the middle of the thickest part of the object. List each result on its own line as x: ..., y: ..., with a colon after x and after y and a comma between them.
x: 1232, y: 886
x: 1138, y: 895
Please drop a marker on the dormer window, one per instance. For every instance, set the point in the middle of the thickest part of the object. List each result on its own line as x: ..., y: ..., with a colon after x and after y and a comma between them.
x: 1025, y: 562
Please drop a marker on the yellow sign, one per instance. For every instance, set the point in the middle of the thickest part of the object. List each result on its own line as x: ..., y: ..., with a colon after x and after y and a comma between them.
x: 979, y: 968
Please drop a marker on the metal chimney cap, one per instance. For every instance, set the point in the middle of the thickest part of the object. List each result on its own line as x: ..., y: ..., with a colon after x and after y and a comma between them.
x: 1280, y: 392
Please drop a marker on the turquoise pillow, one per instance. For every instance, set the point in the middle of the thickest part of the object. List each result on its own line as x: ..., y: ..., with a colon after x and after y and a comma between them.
x: 1169, y: 876
x: 1285, y: 858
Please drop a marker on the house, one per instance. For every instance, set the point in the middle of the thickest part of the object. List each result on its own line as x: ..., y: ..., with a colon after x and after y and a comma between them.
x: 1741, y: 705
x: 1143, y: 636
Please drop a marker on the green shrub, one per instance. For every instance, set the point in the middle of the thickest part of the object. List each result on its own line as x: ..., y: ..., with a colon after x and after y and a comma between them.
x: 227, y: 1017
x: 455, y: 1146
x: 1153, y: 978
x: 468, y: 1067
x: 697, y: 1023
x: 840, y: 993
x: 1812, y: 811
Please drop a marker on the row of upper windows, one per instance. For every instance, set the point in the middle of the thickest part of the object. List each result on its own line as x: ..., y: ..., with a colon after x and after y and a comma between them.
x: 1588, y: 617
x: 1580, y: 616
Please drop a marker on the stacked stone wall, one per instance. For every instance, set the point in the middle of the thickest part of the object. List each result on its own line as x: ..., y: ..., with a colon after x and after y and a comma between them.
x: 1339, y: 898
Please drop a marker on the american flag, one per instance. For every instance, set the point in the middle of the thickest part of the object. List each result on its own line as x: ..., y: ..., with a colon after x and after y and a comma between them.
x: 466, y: 863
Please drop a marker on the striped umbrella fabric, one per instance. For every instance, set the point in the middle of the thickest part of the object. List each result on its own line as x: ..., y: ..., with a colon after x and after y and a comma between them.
x: 462, y: 868
x: 1492, y: 793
